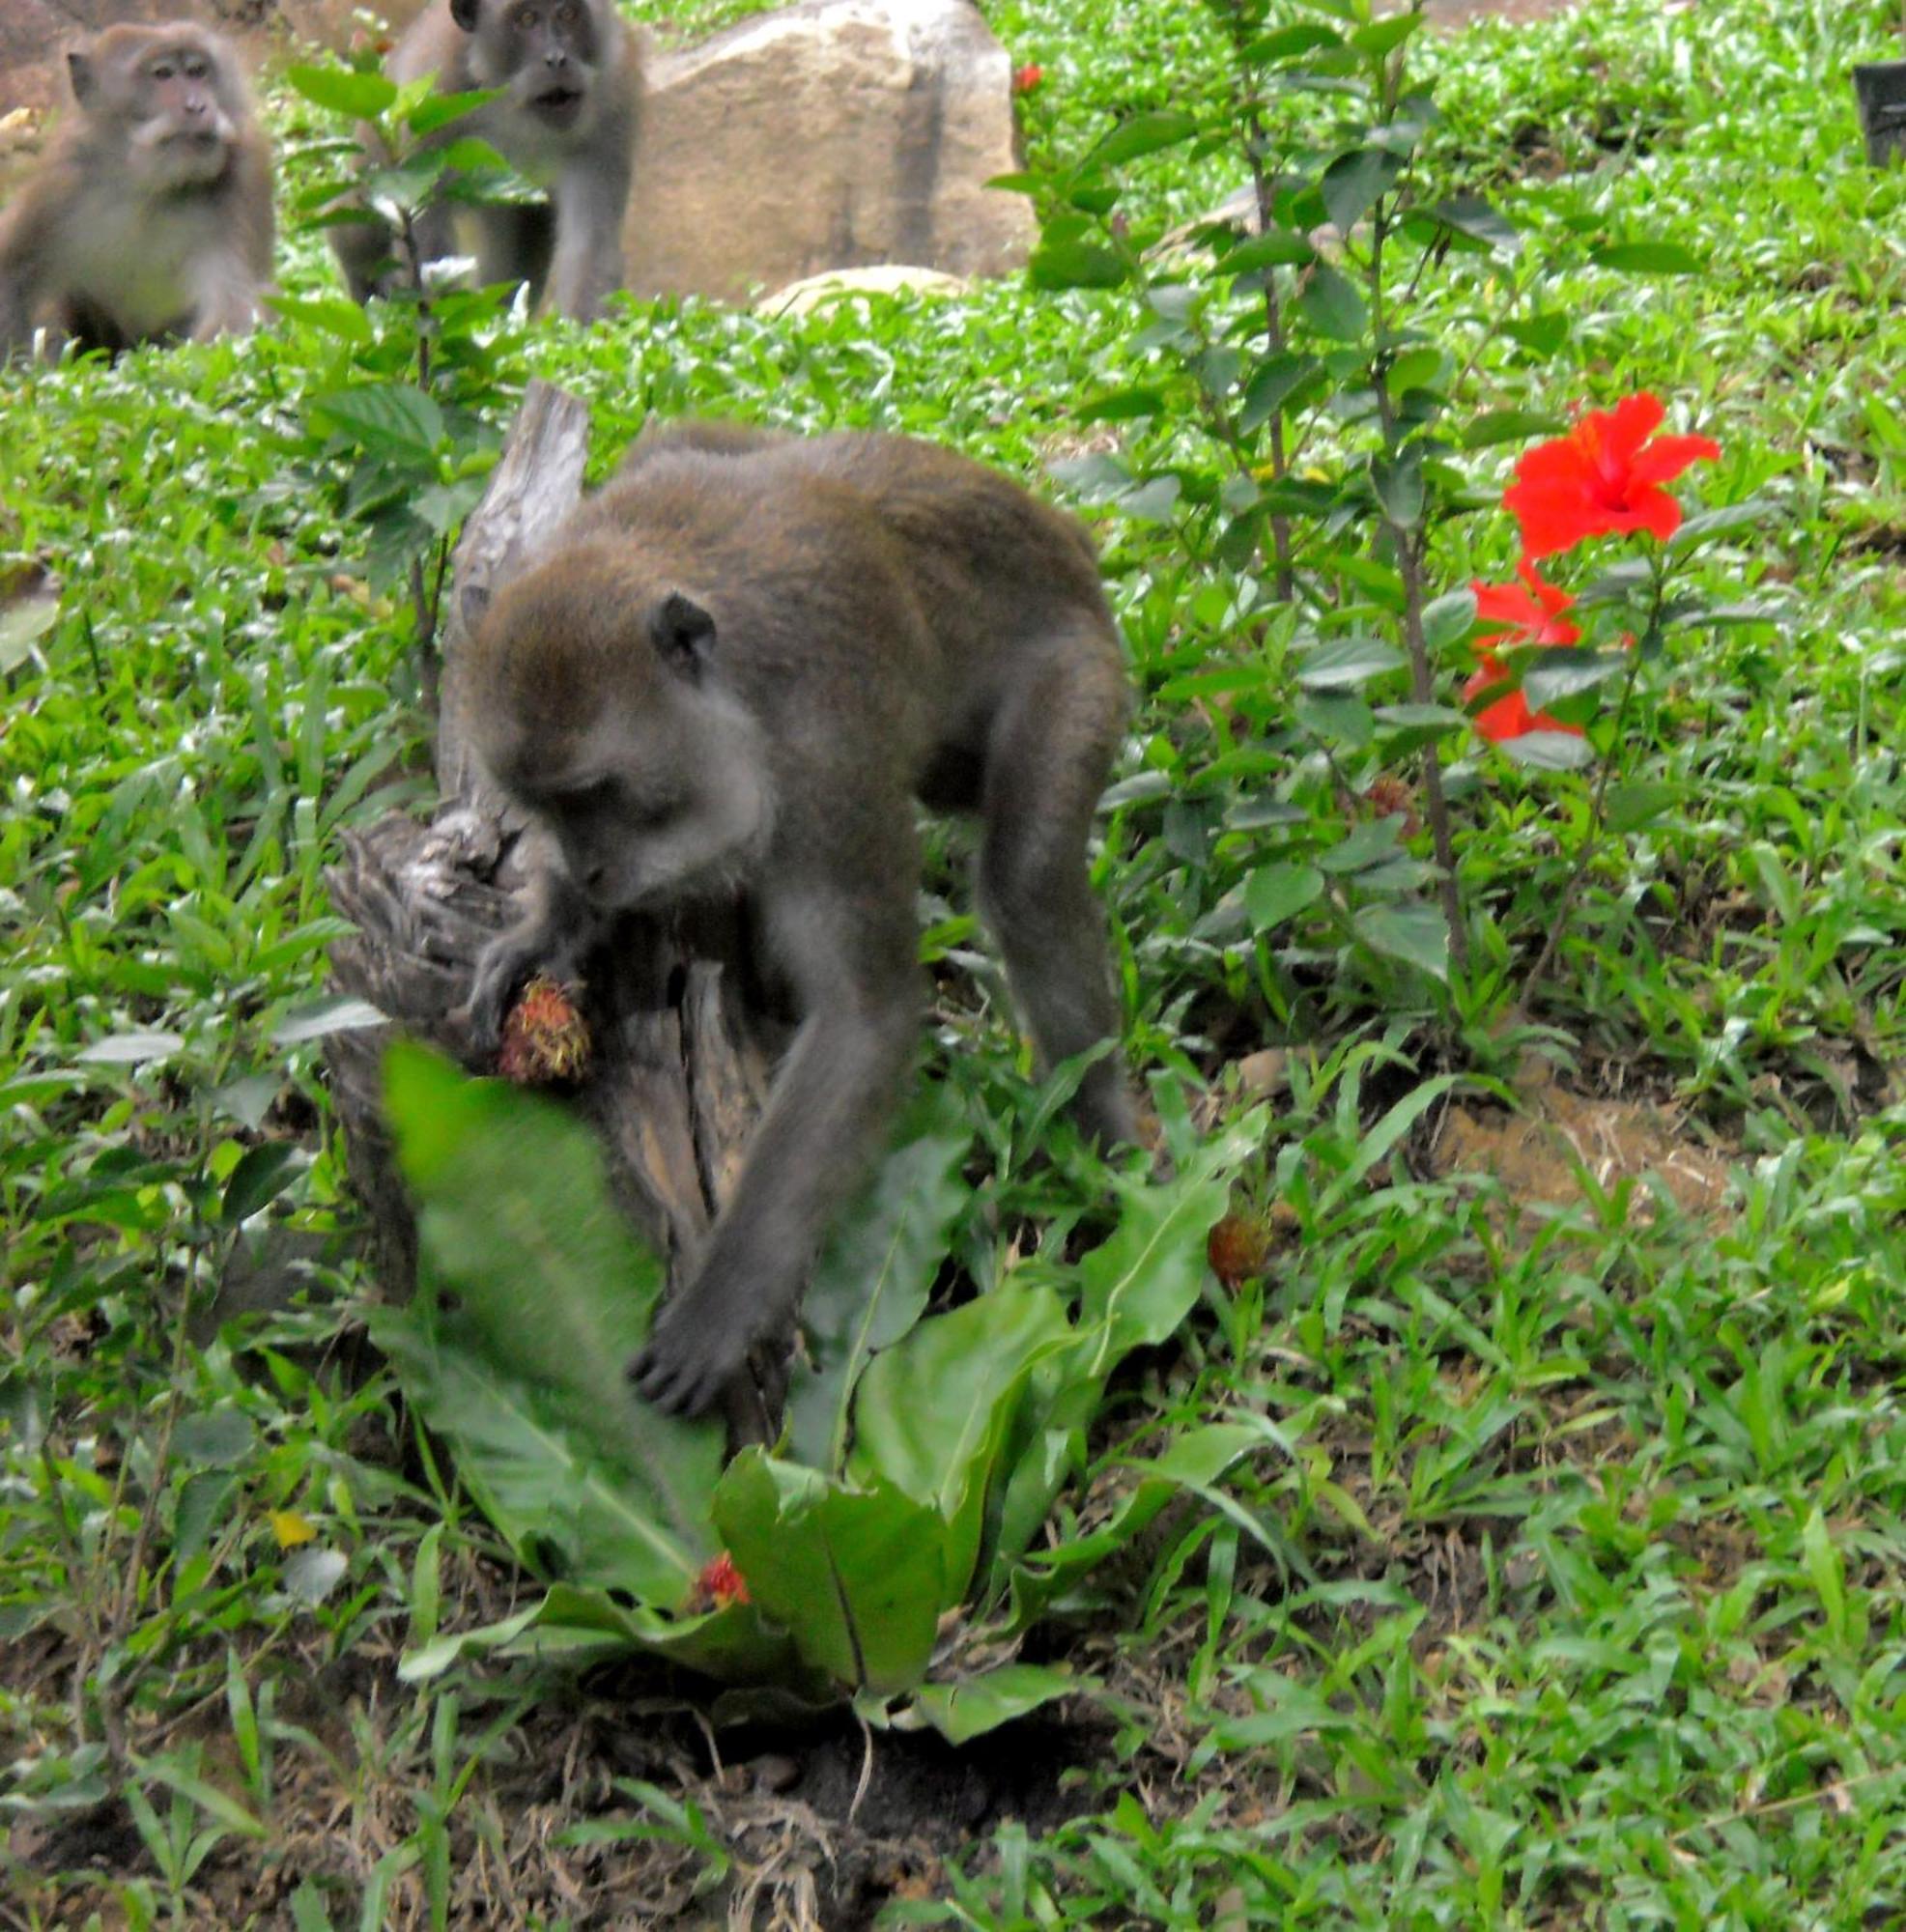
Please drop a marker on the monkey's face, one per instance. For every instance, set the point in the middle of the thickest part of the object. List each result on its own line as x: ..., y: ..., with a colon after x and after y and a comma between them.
x: 169, y: 96
x: 602, y: 712
x: 545, y: 51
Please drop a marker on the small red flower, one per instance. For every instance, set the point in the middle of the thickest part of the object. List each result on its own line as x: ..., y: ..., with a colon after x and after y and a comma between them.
x: 1605, y: 476
x: 1527, y: 613
x: 1026, y: 79
x: 721, y: 1583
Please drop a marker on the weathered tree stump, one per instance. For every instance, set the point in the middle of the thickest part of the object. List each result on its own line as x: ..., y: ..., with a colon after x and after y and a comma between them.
x: 684, y: 1029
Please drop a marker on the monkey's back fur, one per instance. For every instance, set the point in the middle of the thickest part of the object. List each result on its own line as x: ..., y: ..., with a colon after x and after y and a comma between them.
x: 829, y: 564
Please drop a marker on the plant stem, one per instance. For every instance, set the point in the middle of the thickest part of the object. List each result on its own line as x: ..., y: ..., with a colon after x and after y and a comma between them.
x: 1409, y: 567
x: 1273, y: 330
x: 1591, y: 840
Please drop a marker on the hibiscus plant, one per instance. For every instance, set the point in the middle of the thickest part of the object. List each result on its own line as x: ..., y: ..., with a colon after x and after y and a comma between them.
x: 1540, y: 681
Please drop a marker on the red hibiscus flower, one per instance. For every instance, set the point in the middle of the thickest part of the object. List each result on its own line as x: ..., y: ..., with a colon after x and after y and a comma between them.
x: 1026, y: 79
x: 1604, y: 477
x: 1528, y: 612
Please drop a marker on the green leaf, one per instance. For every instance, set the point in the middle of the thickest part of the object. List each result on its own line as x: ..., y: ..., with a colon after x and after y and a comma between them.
x: 857, y: 1576
x: 933, y: 1410
x: 1353, y: 182
x: 1447, y: 620
x: 1549, y: 751
x: 1707, y: 525
x: 1194, y: 1461
x: 1287, y: 43
x: 344, y: 89
x: 217, y: 1439
x: 1275, y: 247
x: 1122, y: 406
x: 438, y: 111
x: 333, y: 315
x: 1415, y: 934
x: 1556, y: 675
x: 1075, y: 264
x: 22, y: 624
x: 874, y: 1276
x: 336, y: 1013
x: 263, y: 1173
x: 1647, y: 258
x: 1142, y: 1281
x: 1399, y: 486
x: 395, y: 420
x: 968, y: 1709
x: 1276, y: 382
x: 1345, y: 662
x: 1495, y: 426
x: 1280, y: 891
x: 1370, y: 842
x: 554, y: 1297
x: 1472, y: 216
x: 131, y: 1049
x: 1146, y: 134
x: 1381, y: 37
x: 1630, y: 807
x: 1329, y: 302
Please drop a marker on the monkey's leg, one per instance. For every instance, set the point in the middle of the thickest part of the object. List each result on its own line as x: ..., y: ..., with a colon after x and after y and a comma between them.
x: 1047, y: 758
x: 512, y: 243
x: 364, y: 250
x: 853, y: 963
x: 587, y: 266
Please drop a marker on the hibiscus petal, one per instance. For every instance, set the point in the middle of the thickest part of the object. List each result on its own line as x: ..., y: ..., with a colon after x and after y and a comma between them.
x: 1627, y: 426
x: 1652, y: 510
x: 1553, y: 517
x: 1667, y: 456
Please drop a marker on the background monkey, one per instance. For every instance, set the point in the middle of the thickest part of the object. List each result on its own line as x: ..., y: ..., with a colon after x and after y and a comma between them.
x: 741, y: 663
x: 151, y: 216
x: 571, y: 75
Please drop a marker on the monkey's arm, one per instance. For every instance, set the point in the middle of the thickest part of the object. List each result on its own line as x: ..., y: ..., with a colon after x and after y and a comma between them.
x: 226, y: 295
x: 554, y: 929
x: 591, y: 198
x: 853, y: 965
x: 25, y: 240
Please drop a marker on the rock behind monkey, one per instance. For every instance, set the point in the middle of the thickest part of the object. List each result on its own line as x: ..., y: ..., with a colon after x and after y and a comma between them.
x: 151, y: 216
x: 737, y: 669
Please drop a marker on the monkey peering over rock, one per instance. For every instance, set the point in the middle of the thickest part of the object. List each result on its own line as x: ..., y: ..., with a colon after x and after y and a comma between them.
x: 733, y: 672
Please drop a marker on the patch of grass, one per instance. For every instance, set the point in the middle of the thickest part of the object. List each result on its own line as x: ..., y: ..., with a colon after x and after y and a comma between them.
x: 1565, y: 1588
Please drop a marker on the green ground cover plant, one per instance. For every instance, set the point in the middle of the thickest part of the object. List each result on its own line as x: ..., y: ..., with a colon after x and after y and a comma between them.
x: 1501, y: 1528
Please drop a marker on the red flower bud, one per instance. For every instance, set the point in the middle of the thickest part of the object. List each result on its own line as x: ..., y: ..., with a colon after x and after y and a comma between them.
x: 1026, y: 79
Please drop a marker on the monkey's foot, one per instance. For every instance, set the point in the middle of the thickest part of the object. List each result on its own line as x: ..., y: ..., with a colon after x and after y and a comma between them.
x: 691, y: 1355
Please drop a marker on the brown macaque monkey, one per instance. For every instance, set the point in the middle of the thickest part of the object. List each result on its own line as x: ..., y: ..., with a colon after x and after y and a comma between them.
x: 150, y: 214
x: 738, y: 666
x: 570, y: 72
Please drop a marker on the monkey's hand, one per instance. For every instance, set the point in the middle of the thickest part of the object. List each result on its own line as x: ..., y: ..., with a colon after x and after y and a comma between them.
x: 696, y: 1349
x: 503, y: 966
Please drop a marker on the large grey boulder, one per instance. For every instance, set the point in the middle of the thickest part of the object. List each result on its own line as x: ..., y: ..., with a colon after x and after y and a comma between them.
x: 831, y: 134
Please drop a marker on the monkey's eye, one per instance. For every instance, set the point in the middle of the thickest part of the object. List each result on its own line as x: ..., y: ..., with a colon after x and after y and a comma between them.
x: 566, y: 15
x: 530, y: 18
x: 164, y: 71
x: 195, y: 70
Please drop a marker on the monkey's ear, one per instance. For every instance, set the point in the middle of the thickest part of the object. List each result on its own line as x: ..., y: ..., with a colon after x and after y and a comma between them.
x: 683, y: 633
x: 475, y: 602
x: 79, y: 70
x: 464, y: 13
